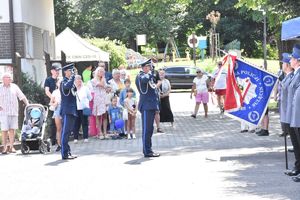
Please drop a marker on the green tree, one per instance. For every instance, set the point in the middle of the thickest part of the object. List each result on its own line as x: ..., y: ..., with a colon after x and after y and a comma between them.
x: 65, y: 15
x: 235, y: 23
x: 277, y: 11
x: 122, y: 20
x: 115, y: 48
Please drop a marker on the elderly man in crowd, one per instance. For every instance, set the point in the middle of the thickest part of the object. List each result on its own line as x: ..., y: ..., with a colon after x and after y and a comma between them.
x: 9, y: 111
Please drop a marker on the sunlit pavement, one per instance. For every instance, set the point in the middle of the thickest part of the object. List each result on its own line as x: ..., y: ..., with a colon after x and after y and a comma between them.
x: 200, y: 159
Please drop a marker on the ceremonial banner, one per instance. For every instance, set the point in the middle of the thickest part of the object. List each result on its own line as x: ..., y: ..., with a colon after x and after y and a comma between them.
x: 248, y: 90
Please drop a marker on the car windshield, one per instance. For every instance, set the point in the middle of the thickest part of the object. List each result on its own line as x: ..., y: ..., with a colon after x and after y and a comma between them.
x: 181, y: 70
x: 190, y: 71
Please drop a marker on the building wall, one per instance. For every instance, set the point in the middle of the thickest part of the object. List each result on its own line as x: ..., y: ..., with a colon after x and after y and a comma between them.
x: 33, y: 69
x: 39, y: 13
x: 4, y: 41
x: 5, y: 50
x: 34, y: 34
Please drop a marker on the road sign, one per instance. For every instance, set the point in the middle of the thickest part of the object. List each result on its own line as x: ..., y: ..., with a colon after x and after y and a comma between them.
x: 193, y: 40
x: 202, y: 44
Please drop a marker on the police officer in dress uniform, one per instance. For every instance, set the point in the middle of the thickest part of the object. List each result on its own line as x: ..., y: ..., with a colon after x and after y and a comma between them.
x: 291, y: 107
x: 68, y: 109
x: 295, y: 119
x: 148, y: 104
x: 287, y: 74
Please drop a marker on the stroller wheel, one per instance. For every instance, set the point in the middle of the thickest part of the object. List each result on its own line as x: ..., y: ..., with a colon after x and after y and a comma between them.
x: 42, y: 149
x: 45, y: 147
x: 25, y: 148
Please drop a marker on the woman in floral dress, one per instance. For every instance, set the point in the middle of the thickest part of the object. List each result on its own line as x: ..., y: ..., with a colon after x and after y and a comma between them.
x: 99, y: 108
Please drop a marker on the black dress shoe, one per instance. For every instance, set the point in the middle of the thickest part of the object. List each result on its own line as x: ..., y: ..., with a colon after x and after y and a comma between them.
x: 263, y: 133
x: 292, y: 172
x: 296, y: 179
x: 291, y: 150
x: 244, y: 131
x: 152, y: 155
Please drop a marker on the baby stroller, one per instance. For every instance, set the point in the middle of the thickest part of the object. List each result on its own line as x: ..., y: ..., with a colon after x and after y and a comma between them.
x: 33, y: 129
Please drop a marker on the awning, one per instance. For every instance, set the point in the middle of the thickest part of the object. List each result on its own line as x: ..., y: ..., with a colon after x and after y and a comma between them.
x: 77, y: 49
x: 291, y: 29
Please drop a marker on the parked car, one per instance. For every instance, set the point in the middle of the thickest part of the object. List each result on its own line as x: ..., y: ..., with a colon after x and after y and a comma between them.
x: 180, y: 77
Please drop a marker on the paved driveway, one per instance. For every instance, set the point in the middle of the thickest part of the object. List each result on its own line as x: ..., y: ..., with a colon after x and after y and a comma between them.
x: 201, y: 159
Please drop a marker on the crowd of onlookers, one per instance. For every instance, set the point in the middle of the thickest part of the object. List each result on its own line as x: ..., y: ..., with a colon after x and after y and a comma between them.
x: 102, y: 100
x: 106, y: 104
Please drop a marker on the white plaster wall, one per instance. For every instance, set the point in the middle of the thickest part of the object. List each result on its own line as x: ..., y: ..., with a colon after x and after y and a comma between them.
x: 39, y: 13
x: 35, y: 68
x: 4, y: 11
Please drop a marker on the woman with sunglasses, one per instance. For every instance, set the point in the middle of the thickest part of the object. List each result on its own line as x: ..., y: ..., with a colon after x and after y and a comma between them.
x: 200, y: 91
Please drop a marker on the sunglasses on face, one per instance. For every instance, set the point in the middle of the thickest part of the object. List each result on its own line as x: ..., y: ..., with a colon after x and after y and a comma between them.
x: 199, y: 72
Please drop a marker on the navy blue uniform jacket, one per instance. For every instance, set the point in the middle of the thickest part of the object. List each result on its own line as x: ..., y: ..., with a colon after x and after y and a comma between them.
x: 149, y: 99
x: 68, y: 100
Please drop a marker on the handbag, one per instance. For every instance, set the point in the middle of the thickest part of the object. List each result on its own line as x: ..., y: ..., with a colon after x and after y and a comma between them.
x: 86, y: 112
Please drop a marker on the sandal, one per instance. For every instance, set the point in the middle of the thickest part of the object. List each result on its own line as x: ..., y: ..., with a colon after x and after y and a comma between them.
x: 6, y: 150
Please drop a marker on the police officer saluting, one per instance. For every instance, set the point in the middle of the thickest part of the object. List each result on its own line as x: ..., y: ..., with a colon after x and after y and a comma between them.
x: 68, y: 109
x: 148, y: 105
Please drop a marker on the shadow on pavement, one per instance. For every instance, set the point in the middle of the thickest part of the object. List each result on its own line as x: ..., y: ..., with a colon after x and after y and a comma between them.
x: 137, y: 161
x: 56, y: 163
x: 260, y: 174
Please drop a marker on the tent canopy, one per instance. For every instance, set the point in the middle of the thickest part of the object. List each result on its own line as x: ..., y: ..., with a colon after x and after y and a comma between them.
x: 291, y: 29
x: 77, y: 49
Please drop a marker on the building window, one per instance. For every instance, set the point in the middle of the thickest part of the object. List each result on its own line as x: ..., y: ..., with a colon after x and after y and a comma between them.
x: 28, y: 41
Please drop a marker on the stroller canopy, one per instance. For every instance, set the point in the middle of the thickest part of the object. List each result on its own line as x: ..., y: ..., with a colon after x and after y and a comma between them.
x: 35, y: 113
x: 291, y: 29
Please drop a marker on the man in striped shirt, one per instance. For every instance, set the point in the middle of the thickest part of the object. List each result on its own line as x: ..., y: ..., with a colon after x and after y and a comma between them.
x: 9, y: 111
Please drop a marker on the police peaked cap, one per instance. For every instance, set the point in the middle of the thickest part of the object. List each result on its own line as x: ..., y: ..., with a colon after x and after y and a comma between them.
x: 296, y: 52
x: 286, y: 57
x: 147, y: 62
x: 69, y: 66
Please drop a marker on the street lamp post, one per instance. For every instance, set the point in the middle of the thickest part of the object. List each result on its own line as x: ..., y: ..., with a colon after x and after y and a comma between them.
x: 265, y: 39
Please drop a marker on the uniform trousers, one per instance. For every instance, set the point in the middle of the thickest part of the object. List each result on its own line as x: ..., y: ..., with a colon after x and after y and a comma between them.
x: 294, y: 135
x: 147, y: 129
x: 68, y: 121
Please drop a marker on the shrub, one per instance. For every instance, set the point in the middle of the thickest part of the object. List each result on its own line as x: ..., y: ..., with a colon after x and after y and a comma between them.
x: 272, y: 51
x: 34, y: 92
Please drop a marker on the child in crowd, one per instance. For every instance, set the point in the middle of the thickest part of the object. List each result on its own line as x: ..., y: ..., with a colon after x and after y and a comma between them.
x: 31, y: 129
x: 130, y: 105
x: 123, y: 95
x: 109, y: 96
x: 114, y: 113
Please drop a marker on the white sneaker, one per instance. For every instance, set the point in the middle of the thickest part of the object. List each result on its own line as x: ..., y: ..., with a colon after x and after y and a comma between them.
x: 128, y: 136
x: 86, y: 140
x: 75, y: 141
x: 133, y: 136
